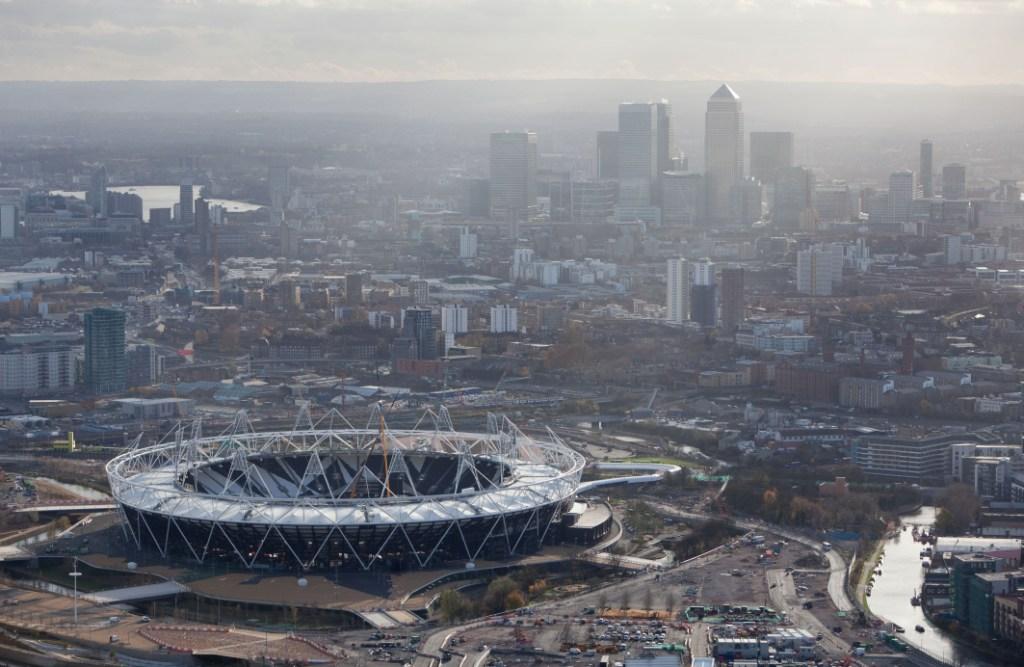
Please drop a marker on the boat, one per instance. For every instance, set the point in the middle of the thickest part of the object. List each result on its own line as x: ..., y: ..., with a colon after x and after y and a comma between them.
x: 898, y: 628
x: 919, y: 628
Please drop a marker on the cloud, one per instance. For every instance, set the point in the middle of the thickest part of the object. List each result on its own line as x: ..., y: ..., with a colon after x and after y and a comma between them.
x: 375, y: 40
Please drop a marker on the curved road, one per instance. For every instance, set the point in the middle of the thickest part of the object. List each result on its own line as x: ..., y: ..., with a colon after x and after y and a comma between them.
x: 837, y: 565
x: 836, y: 581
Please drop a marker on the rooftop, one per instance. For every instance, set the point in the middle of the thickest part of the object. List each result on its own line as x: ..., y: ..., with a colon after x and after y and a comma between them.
x: 725, y: 92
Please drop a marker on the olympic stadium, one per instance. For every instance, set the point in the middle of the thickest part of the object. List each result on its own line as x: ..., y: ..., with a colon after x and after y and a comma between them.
x: 330, y: 495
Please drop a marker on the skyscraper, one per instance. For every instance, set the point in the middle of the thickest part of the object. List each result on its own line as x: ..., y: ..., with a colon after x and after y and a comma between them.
x: 732, y: 299
x: 280, y: 189
x: 186, y: 204
x: 97, y: 195
x: 203, y: 229
x: 106, y: 366
x: 607, y: 154
x: 665, y: 141
x: 901, y: 195
x: 513, y: 184
x: 677, y: 293
x: 638, y: 153
x: 794, y: 197
x: 926, y: 170
x: 954, y: 181
x: 770, y: 152
x: 723, y: 151
x: 645, y: 151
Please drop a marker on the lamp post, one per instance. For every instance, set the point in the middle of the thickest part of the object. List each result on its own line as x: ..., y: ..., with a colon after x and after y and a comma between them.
x: 75, y: 574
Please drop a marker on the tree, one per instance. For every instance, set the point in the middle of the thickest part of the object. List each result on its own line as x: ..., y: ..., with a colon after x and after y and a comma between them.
x: 453, y: 605
x: 514, y: 600
x: 497, y: 593
x: 537, y: 588
x: 959, y: 508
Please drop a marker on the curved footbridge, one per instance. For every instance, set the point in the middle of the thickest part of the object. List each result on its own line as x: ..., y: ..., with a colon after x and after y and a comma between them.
x: 644, y: 473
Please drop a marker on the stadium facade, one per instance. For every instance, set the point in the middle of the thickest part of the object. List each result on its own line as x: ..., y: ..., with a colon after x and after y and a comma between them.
x: 329, y: 495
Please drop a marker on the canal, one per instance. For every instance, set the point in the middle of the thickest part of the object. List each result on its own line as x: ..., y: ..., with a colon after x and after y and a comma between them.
x: 902, y: 576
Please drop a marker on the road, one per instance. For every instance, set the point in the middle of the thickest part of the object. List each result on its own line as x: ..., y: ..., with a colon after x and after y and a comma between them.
x: 699, y: 644
x: 784, y: 596
x: 837, y: 565
x: 435, y: 641
x: 836, y: 587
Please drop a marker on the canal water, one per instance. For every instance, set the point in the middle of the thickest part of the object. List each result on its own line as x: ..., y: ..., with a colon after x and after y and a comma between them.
x: 902, y: 576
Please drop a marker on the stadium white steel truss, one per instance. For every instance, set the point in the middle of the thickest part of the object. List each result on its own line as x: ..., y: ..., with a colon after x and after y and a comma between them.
x: 327, y: 494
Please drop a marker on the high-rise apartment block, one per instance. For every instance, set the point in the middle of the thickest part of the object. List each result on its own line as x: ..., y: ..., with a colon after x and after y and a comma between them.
x: 504, y: 319
x: 467, y: 244
x: 105, y: 353
x: 186, y: 203
x: 818, y: 269
x: 454, y: 319
x: 418, y: 326
x: 96, y: 197
x: 704, y: 294
x: 677, y: 302
x: 732, y: 298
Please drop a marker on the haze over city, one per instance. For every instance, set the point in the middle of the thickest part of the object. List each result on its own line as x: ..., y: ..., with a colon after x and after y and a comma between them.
x: 468, y: 333
x: 873, y: 41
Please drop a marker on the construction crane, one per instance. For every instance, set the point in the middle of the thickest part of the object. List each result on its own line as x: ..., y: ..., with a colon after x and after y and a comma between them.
x: 647, y: 411
x: 216, y: 266
x: 654, y: 395
x: 384, y: 453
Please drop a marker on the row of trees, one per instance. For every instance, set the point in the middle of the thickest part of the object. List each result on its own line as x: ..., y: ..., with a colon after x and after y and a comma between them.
x: 796, y: 502
x: 502, y: 594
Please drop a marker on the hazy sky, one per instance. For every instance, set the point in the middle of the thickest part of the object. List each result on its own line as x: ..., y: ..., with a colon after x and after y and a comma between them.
x: 918, y: 41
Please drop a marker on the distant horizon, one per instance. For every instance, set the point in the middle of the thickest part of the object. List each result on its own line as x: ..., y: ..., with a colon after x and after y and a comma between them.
x: 709, y: 81
x: 942, y: 42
